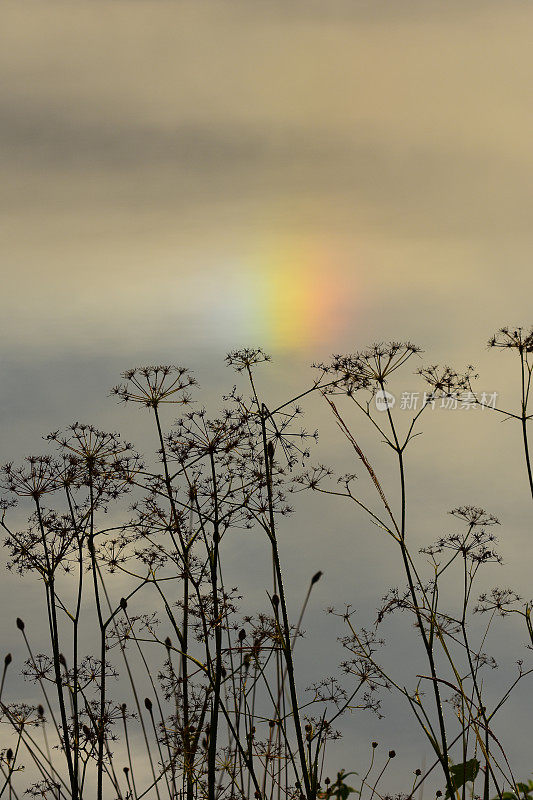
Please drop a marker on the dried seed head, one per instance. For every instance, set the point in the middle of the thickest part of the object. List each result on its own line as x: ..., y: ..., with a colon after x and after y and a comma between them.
x: 20, y: 624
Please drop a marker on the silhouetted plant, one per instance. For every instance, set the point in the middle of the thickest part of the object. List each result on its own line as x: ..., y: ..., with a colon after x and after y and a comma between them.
x: 215, y: 706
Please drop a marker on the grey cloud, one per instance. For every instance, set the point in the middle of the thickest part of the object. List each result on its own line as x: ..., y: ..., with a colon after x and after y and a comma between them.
x: 402, y: 185
x: 56, y: 139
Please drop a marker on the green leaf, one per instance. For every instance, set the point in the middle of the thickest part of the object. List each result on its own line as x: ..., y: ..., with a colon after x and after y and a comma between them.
x: 462, y: 773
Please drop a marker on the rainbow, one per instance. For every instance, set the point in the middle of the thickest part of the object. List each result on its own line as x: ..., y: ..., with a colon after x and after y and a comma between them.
x: 288, y: 296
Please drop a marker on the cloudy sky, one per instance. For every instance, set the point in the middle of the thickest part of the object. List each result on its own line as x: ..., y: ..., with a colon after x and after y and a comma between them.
x: 181, y: 178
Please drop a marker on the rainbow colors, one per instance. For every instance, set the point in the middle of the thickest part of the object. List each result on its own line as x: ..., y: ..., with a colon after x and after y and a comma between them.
x: 289, y: 296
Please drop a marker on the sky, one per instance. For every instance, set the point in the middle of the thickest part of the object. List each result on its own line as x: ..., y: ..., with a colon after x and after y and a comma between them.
x: 182, y: 178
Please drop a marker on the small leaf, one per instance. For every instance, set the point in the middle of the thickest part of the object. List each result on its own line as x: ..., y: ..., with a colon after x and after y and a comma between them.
x: 462, y: 773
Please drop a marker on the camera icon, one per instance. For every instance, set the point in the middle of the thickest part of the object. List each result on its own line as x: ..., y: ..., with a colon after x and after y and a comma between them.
x: 384, y: 400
